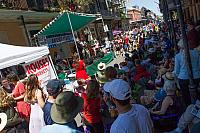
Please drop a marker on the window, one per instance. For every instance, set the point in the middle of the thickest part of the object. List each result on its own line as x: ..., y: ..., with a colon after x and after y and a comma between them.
x: 33, y: 40
x: 32, y: 30
x: 35, y: 4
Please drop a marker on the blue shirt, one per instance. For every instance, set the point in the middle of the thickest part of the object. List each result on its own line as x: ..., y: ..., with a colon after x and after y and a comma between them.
x: 160, y: 95
x: 56, y: 128
x: 47, y: 115
x: 168, y: 44
x: 181, y: 67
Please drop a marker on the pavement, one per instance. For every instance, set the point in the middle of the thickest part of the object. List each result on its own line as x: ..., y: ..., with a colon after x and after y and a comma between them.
x: 117, y: 60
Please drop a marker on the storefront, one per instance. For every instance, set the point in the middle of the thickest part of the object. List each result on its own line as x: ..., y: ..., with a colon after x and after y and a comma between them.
x: 59, y: 34
x: 60, y: 45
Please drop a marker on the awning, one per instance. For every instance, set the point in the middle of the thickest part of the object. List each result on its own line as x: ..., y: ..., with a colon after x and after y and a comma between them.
x: 61, y: 23
x: 12, y: 55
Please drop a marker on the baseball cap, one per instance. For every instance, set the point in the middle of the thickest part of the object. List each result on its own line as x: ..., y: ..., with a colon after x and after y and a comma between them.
x: 119, y: 89
x: 106, y: 87
x: 54, y: 86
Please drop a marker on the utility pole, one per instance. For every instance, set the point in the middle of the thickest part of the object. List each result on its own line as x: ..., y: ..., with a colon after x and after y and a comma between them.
x: 25, y: 29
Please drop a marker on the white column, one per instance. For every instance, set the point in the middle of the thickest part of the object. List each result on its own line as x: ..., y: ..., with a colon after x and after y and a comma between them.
x: 198, y: 11
x: 194, y: 11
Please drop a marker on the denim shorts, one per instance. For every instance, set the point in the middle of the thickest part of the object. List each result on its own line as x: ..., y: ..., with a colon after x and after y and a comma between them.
x: 125, y: 46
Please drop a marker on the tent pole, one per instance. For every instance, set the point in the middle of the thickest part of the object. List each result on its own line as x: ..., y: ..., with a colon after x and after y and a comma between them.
x: 73, y: 34
x: 54, y: 70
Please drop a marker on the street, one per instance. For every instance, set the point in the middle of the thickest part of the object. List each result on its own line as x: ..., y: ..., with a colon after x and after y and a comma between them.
x: 117, y: 60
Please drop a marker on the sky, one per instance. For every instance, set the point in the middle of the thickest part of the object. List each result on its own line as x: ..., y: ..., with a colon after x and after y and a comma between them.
x: 149, y: 4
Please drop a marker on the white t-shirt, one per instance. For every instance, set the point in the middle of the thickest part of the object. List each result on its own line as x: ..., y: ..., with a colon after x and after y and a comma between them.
x: 137, y: 120
x: 55, y: 128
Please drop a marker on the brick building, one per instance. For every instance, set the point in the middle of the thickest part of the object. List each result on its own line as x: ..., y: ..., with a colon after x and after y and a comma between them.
x: 134, y: 14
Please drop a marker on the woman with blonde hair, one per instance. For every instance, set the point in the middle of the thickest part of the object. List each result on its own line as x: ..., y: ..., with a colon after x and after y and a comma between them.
x: 32, y: 95
x: 92, y: 102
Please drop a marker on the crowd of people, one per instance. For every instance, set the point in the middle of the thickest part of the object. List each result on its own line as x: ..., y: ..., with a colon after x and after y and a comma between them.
x: 147, y: 92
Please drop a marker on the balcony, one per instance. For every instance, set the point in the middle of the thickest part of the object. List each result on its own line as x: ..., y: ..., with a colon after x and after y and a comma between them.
x: 115, y: 3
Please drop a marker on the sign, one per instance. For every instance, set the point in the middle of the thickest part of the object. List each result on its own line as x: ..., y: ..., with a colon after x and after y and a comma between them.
x: 55, y: 39
x: 105, y: 28
x: 42, y: 68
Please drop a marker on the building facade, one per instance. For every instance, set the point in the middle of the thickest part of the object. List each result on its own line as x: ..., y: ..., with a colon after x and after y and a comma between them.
x: 26, y: 4
x: 134, y: 14
x: 14, y: 31
x: 191, y: 8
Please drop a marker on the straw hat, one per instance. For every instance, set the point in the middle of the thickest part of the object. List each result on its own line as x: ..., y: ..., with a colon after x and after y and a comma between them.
x: 3, y: 118
x: 169, y: 76
x: 170, y: 85
x: 101, y: 66
x: 162, y: 71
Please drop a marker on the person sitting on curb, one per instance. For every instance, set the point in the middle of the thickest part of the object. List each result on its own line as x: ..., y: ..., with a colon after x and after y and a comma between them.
x: 63, y: 112
x: 190, y: 117
x: 132, y: 118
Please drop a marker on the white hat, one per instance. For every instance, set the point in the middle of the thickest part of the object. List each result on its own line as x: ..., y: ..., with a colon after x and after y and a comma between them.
x: 3, y: 123
x: 101, y: 66
x: 151, y: 50
x: 72, y: 75
x: 119, y: 89
x: 180, y: 43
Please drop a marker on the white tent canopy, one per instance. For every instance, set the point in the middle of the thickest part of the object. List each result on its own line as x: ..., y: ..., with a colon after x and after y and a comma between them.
x: 12, y: 55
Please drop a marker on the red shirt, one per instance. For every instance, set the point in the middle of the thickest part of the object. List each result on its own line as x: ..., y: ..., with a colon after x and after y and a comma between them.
x: 23, y: 108
x: 120, y: 41
x: 140, y: 72
x: 193, y: 38
x: 80, y: 70
x: 126, y: 40
x: 91, y: 109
